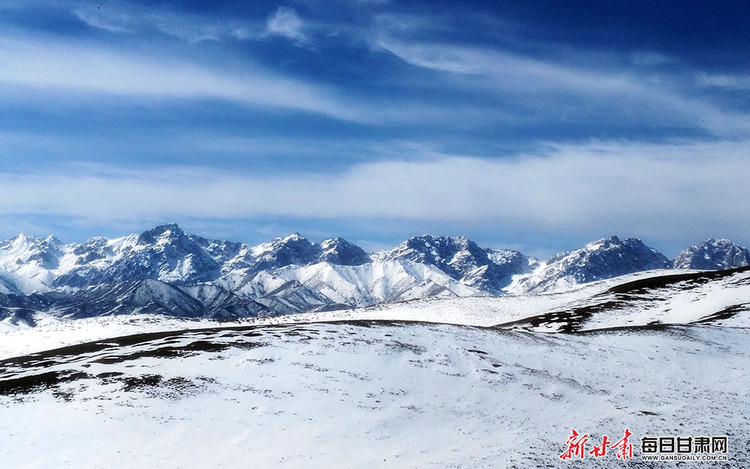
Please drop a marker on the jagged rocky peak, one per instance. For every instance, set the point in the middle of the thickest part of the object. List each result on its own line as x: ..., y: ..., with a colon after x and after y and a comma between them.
x: 610, y: 257
x: 713, y: 254
x: 341, y: 252
x: 601, y: 259
x: 294, y: 249
x: 92, y: 250
x: 613, y: 243
x: 175, y: 243
x: 27, y: 242
x: 19, y: 239
x: 460, y: 258
x: 165, y: 253
x: 162, y: 234
x: 25, y: 249
x: 512, y: 259
x: 221, y: 251
x: 436, y: 250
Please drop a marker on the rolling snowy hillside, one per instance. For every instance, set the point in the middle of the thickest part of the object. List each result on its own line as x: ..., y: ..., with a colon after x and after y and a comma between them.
x: 369, y: 394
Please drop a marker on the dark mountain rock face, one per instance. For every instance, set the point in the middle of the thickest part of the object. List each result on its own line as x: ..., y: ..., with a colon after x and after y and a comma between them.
x: 611, y: 257
x: 164, y: 253
x: 713, y: 254
x: 281, y: 252
x: 599, y: 260
x: 461, y: 259
x: 341, y: 252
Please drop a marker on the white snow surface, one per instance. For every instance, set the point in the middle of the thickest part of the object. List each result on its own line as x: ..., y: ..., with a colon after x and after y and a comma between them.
x: 381, y: 281
x: 376, y: 395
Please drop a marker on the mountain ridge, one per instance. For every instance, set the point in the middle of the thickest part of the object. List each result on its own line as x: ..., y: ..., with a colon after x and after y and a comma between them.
x: 167, y: 270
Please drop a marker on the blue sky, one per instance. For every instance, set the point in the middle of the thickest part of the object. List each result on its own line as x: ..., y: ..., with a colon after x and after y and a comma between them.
x: 531, y: 125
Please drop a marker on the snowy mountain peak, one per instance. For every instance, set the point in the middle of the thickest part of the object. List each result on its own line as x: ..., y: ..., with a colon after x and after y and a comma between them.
x: 613, y: 244
x: 294, y: 237
x: 439, y: 251
x: 292, y: 274
x: 165, y: 253
x: 293, y: 249
x: 605, y: 243
x: 598, y: 260
x: 713, y: 254
x: 21, y: 238
x: 162, y: 234
x: 25, y: 250
x: 341, y: 252
x: 461, y: 259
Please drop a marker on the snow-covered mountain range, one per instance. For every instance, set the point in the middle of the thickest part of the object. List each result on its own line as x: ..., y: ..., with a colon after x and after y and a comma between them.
x: 167, y: 271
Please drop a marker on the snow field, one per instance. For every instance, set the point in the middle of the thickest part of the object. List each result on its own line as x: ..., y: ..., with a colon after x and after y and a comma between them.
x: 379, y: 394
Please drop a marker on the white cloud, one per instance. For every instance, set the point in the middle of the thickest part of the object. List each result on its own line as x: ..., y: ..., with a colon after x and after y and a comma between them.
x: 55, y: 69
x: 732, y: 82
x: 684, y: 191
x: 287, y: 23
x: 114, y: 23
x: 61, y: 67
x: 123, y: 17
x: 544, y: 85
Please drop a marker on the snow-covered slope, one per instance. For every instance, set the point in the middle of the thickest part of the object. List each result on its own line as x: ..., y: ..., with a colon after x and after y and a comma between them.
x: 370, y: 394
x: 714, y: 297
x: 366, y: 284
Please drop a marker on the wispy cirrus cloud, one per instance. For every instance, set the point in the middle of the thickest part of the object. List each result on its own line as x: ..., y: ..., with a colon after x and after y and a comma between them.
x: 122, y: 17
x: 53, y: 66
x: 611, y: 93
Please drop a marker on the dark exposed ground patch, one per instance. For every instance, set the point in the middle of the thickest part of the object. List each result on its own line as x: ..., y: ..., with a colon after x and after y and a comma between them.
x: 663, y: 281
x: 402, y: 346
x: 567, y: 321
x: 38, y: 382
x: 725, y: 313
x: 134, y: 383
x: 27, y: 384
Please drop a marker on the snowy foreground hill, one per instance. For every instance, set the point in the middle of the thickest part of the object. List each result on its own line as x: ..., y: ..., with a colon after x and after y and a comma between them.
x: 439, y: 382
